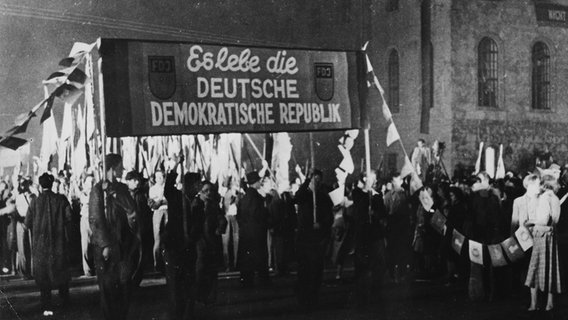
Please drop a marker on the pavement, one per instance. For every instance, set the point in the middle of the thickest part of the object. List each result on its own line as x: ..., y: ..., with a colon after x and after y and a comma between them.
x: 417, y: 299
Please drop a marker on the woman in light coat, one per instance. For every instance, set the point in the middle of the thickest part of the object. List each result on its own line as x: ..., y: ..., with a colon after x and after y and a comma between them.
x: 544, y: 271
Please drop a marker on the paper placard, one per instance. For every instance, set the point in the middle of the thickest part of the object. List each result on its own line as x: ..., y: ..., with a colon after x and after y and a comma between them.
x: 496, y: 254
x: 338, y: 195
x: 475, y: 252
x: 457, y: 241
x: 524, y: 238
x: 426, y: 200
x: 438, y: 222
x: 512, y: 249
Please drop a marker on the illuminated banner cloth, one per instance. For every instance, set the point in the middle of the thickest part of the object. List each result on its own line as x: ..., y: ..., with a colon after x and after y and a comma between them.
x: 164, y: 88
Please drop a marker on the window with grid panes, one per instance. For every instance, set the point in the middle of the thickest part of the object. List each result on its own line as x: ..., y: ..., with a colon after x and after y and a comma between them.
x: 487, y: 68
x: 540, y: 76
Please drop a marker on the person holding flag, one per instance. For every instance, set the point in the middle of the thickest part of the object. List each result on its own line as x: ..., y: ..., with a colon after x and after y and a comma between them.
x: 314, y: 231
x: 116, y: 237
x: 398, y: 233
x: 369, y: 238
x: 253, y: 219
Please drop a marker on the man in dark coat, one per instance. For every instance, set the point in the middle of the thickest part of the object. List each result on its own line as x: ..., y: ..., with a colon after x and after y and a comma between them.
x: 483, y: 224
x: 398, y: 230
x: 116, y: 237
x: 252, y: 216
x: 47, y: 218
x: 140, y: 195
x: 178, y: 240
x: 205, y: 207
x: 312, y: 237
x: 283, y: 218
x: 369, y: 216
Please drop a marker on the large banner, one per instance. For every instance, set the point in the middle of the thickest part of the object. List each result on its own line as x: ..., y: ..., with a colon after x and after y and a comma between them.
x: 165, y: 88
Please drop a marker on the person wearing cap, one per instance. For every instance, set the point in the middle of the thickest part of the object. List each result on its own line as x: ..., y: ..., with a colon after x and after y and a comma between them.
x: 314, y: 233
x: 253, y: 220
x: 47, y: 217
x: 139, y: 193
x: 116, y: 239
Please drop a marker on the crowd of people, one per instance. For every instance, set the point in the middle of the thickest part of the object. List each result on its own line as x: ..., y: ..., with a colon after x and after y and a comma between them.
x: 189, y: 229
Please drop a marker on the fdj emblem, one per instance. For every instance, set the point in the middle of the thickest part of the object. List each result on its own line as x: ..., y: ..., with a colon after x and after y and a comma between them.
x: 162, y: 76
x: 324, y: 80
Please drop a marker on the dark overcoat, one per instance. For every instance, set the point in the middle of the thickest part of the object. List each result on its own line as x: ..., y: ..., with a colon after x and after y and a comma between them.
x: 115, y: 227
x: 253, y: 220
x: 47, y: 218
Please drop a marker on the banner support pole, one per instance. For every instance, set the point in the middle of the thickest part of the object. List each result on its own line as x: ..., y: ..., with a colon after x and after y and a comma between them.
x: 183, y: 188
x: 312, y: 158
x: 103, y: 125
x: 368, y: 168
x: 102, y: 116
x: 273, y: 177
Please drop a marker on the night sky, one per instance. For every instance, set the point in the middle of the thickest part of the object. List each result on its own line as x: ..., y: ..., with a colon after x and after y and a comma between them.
x: 35, y: 35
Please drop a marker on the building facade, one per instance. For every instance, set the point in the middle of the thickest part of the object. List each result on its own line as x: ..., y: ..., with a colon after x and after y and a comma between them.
x: 471, y: 71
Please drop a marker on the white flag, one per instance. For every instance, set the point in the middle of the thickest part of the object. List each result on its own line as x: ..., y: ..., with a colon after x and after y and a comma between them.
x: 90, y: 122
x: 478, y: 162
x: 500, y: 173
x: 524, y: 237
x: 48, y: 143
x: 386, y: 112
x: 392, y: 134
x: 476, y: 252
x: 81, y: 47
x: 407, y: 168
x: 490, y: 161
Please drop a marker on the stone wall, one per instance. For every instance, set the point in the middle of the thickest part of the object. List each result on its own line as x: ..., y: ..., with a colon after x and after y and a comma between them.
x: 522, y: 130
x: 521, y: 140
x: 400, y: 30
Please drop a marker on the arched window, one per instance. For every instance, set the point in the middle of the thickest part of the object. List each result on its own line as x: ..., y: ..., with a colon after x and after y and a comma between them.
x: 540, y: 76
x: 487, y: 80
x: 393, y: 93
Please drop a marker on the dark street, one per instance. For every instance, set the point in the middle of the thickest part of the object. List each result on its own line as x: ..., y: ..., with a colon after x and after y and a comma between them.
x: 415, y: 300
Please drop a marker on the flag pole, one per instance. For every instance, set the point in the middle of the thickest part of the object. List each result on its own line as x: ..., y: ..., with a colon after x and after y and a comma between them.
x: 103, y: 125
x: 183, y: 188
x: 368, y: 167
x: 312, y: 157
x: 260, y: 154
x: 102, y: 115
